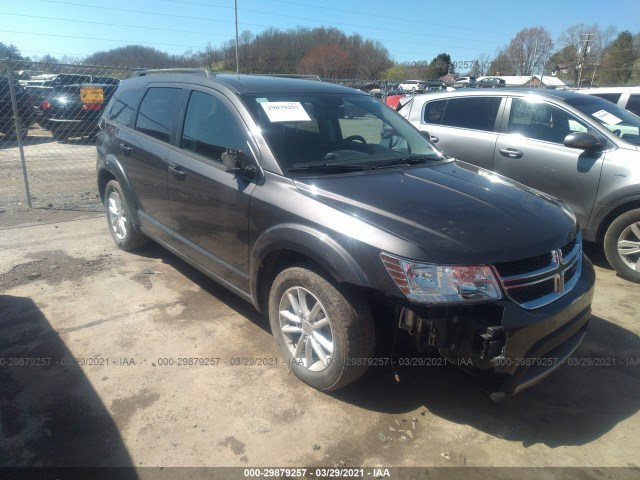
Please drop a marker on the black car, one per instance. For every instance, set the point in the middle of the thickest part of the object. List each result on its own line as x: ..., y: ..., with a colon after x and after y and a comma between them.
x: 491, y: 82
x: 344, y: 228
x: 25, y: 105
x: 74, y: 110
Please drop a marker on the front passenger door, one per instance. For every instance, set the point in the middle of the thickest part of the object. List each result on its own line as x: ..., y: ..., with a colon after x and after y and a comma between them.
x: 532, y: 152
x: 210, y: 206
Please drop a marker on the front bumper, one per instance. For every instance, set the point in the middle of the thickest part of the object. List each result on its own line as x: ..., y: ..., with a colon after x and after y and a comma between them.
x: 540, y: 341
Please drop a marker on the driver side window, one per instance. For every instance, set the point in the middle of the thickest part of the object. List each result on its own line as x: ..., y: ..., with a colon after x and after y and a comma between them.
x: 542, y: 121
x: 210, y: 128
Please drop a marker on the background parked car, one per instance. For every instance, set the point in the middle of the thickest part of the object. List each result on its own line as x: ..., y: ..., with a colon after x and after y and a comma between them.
x: 490, y: 82
x: 25, y: 109
x: 74, y: 110
x: 579, y: 148
x: 626, y: 97
x: 464, y: 82
x: 413, y: 86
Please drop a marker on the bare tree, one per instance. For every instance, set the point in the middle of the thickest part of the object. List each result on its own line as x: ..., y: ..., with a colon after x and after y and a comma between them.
x: 529, y: 49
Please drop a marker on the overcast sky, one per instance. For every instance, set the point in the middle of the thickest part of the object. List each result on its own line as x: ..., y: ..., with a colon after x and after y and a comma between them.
x: 411, y: 30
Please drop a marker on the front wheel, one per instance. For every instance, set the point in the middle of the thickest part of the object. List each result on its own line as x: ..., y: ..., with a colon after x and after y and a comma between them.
x: 323, y: 331
x: 622, y: 245
x: 119, y: 219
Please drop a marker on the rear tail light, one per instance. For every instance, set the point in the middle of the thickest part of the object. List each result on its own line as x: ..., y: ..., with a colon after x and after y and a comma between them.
x: 46, y: 105
x: 92, y: 106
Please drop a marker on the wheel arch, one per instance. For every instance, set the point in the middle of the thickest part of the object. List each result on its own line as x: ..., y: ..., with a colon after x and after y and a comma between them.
x: 602, y: 226
x: 109, y: 170
x: 286, y: 245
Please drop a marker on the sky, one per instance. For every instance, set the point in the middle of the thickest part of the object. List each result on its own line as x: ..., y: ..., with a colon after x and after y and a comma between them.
x: 412, y: 31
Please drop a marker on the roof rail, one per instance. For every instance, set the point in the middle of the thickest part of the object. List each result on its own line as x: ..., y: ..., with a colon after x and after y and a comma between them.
x: 164, y: 71
x: 290, y: 75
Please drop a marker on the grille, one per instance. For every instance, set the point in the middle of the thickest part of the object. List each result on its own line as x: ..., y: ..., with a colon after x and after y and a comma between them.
x: 537, y: 281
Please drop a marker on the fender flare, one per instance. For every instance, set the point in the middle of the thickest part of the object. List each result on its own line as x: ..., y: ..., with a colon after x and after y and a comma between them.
x: 111, y: 165
x: 314, y: 244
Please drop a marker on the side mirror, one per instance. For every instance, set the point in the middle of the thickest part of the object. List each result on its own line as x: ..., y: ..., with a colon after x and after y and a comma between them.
x: 582, y: 140
x: 236, y: 161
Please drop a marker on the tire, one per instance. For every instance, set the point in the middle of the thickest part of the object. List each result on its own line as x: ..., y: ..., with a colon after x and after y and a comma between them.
x: 339, y: 318
x: 622, y: 245
x: 122, y: 230
x: 59, y: 136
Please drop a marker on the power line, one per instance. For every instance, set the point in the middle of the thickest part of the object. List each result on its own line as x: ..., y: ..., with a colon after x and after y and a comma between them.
x: 102, y: 39
x: 386, y: 17
x: 257, y: 25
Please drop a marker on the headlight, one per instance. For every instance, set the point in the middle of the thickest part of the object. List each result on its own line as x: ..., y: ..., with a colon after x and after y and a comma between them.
x: 428, y: 283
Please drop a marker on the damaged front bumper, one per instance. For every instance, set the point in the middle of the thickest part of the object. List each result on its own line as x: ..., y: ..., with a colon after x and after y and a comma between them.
x: 516, y: 347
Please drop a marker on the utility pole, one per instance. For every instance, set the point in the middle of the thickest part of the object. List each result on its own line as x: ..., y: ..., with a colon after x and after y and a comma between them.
x: 586, y: 38
x: 237, y: 63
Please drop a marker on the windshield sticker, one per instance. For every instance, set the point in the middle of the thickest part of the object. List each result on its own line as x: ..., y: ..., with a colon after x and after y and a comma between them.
x: 285, y: 112
x: 607, y: 117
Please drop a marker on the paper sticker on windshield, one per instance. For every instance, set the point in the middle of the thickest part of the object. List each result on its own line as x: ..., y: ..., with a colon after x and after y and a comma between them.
x: 607, y: 117
x: 285, y: 112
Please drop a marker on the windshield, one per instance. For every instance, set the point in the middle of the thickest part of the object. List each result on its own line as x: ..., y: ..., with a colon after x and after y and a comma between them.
x: 334, y: 133
x: 623, y: 123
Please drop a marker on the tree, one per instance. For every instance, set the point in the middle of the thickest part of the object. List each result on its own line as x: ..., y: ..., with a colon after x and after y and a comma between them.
x: 582, y: 45
x: 529, y: 49
x: 618, y: 62
x: 328, y: 61
x: 500, y: 65
x: 10, y: 51
x: 397, y: 73
x: 439, y: 66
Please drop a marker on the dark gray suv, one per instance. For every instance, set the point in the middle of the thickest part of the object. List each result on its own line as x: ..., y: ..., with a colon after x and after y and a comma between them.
x: 579, y: 148
x: 342, y: 226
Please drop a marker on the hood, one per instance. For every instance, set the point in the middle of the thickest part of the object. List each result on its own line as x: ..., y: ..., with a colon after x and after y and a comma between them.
x: 456, y: 212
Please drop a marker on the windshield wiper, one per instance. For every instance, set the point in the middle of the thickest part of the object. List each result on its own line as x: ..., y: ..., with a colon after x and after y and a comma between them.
x: 333, y: 167
x: 405, y: 161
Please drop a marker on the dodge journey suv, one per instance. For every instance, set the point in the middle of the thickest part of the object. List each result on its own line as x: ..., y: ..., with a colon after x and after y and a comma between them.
x: 343, y: 227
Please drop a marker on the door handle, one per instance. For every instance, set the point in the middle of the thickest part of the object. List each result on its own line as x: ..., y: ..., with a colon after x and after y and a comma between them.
x: 434, y: 139
x: 126, y: 149
x: 511, y: 152
x: 176, y: 171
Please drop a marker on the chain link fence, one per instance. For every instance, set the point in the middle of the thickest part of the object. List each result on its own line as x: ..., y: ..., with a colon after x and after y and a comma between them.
x: 48, y: 123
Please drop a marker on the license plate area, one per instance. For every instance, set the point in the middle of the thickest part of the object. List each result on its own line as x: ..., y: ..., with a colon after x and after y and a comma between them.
x: 91, y: 95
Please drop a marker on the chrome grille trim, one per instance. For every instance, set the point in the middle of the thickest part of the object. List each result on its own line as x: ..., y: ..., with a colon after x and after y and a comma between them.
x: 558, y: 267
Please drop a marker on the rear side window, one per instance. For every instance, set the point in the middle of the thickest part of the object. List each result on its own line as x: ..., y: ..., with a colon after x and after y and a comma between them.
x: 633, y: 105
x: 612, y: 97
x: 123, y: 105
x: 477, y: 113
x: 210, y: 128
x: 433, y: 112
x: 158, y: 112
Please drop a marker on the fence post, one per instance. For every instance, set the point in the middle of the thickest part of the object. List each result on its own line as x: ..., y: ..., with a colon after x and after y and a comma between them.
x: 16, y: 116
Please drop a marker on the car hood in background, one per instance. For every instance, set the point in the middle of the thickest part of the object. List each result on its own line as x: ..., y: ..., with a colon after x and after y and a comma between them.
x: 457, y: 213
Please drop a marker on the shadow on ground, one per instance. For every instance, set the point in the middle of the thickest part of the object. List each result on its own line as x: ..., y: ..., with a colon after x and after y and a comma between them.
x: 50, y: 415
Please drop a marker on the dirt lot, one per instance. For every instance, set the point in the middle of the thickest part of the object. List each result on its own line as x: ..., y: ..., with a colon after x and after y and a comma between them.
x: 96, y: 329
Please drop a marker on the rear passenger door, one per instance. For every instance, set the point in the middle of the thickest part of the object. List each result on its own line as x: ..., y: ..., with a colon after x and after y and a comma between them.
x: 144, y: 154
x: 531, y: 151
x: 210, y: 206
x: 464, y: 127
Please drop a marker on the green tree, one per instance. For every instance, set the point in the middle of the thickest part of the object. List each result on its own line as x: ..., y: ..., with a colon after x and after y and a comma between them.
x: 10, y: 51
x: 439, y: 66
x: 397, y: 73
x: 618, y: 63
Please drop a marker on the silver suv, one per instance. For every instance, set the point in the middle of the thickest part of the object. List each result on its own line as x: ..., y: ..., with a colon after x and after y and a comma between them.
x: 579, y: 148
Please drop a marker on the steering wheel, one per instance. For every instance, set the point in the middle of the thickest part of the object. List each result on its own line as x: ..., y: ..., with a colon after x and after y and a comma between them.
x: 354, y: 137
